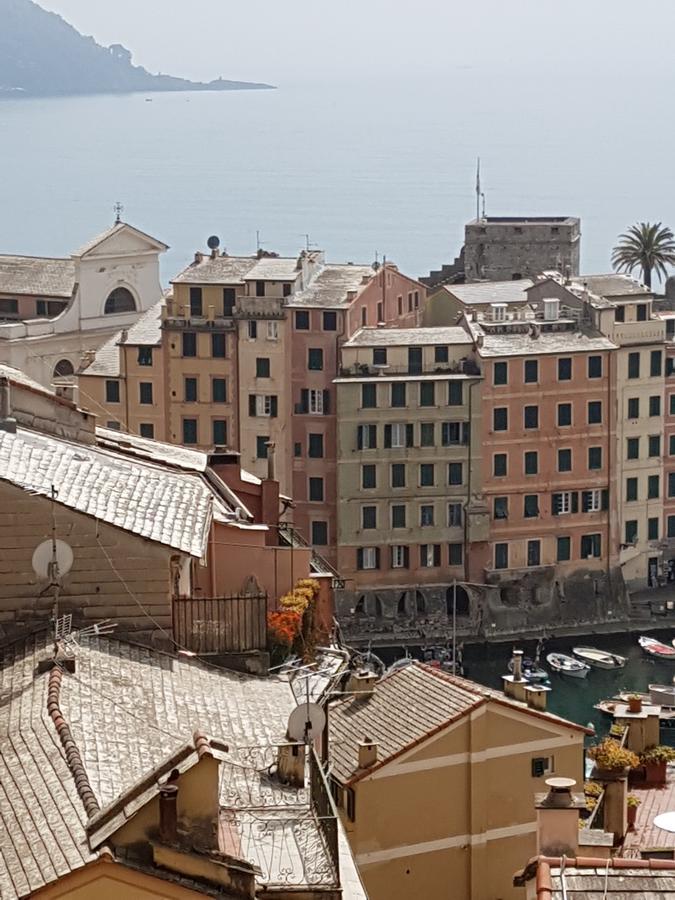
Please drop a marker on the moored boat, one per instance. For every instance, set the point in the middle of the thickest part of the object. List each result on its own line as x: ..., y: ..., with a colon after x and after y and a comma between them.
x: 567, y: 665
x: 532, y: 671
x: 601, y: 659
x: 656, y: 648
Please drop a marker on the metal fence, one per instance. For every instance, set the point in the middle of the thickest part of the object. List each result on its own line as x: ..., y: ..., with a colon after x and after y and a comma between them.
x: 322, y: 803
x: 221, y: 624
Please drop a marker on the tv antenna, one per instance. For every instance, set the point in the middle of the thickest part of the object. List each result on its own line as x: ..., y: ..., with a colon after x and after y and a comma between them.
x: 258, y: 243
x: 308, y: 243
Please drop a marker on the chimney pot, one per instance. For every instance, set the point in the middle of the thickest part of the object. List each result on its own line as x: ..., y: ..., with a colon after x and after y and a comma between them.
x: 362, y: 683
x: 558, y: 818
x: 517, y: 665
x: 367, y: 753
x: 168, y: 816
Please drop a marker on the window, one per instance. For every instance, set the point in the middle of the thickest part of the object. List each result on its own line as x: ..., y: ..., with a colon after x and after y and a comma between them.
x: 426, y: 515
x: 315, y: 492
x: 671, y: 484
x: 564, y: 460
x: 563, y: 548
x: 195, y: 301
x: 633, y: 408
x: 219, y: 390
x: 454, y: 433
x: 264, y: 405
x: 620, y: 314
x: 190, y: 390
x: 399, y: 304
x: 631, y: 531
x: 531, y: 417
x: 654, y: 445
x: 64, y: 368
x: 189, y: 341
x: 500, y: 418
x: 144, y: 356
x: 113, y: 426
x: 218, y: 346
x: 499, y: 464
x: 593, y: 501
x: 10, y: 307
x: 398, y: 516
x: 112, y: 392
x: 260, y: 288
x: 652, y: 529
x: 398, y: 394
x: 190, y: 431
x: 319, y: 534
x: 410, y: 301
x: 366, y: 437
x: 380, y: 312
x: 368, y: 558
x: 368, y: 396
x: 286, y: 289
x: 501, y: 508
x: 368, y: 515
x: 455, y: 473
x: 329, y: 320
x: 252, y: 329
x: 220, y: 432
x: 318, y: 402
x: 531, y: 506
x: 120, y: 300
x: 427, y: 475
x: 633, y: 448
x: 145, y: 392
x: 591, y: 546
x: 531, y: 462
x: 565, y: 369
x: 417, y: 299
x: 146, y: 430
x: 301, y: 320
x: 315, y: 359
x: 631, y: 489
x: 455, y: 554
x: 315, y: 446
x: 368, y: 476
x: 262, y: 367
x: 653, y: 487
x: 441, y: 354
x: 229, y: 298
x: 564, y: 503
x: 534, y: 553
x: 641, y: 312
x: 398, y: 435
x: 272, y: 331
x: 633, y: 365
x: 672, y: 404
x: 655, y: 406
x: 671, y: 526
x: 427, y: 434
x: 455, y: 393
x: 399, y: 557
x: 380, y: 356
x: 671, y: 445
x: 500, y: 373
x: 430, y: 555
x: 595, y: 367
x: 261, y: 442
x: 542, y: 765
x: 427, y: 393
x: 595, y: 457
x: 655, y: 363
x: 531, y: 371
x: 501, y: 556
x: 364, y: 316
x: 595, y: 412
x: 398, y: 475
x: 454, y: 515
x: 564, y: 414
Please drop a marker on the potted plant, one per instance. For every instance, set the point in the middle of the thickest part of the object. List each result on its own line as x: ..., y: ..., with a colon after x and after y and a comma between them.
x: 611, y: 758
x: 632, y: 803
x: 634, y: 703
x: 655, y: 761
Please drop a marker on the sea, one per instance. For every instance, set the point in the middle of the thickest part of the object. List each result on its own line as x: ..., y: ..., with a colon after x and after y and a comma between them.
x: 360, y: 168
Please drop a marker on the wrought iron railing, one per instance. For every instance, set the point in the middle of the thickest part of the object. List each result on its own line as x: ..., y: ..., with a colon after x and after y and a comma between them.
x: 322, y: 803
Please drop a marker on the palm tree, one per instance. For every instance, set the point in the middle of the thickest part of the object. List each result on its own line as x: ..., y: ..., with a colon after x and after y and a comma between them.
x: 645, y: 246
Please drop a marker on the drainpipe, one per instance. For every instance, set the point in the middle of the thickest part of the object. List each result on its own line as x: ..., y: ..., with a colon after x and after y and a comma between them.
x: 469, y: 480
x: 125, y: 377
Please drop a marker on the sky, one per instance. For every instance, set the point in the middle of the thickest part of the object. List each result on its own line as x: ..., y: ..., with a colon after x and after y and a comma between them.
x: 324, y: 40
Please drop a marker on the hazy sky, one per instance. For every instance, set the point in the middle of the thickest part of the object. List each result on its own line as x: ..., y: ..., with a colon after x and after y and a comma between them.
x: 292, y: 40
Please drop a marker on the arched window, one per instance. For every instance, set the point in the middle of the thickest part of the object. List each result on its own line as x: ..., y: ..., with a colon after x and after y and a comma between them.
x: 120, y: 300
x: 377, y: 607
x: 463, y: 603
x: 360, y: 609
x: 62, y: 368
x: 420, y: 603
x: 402, y: 609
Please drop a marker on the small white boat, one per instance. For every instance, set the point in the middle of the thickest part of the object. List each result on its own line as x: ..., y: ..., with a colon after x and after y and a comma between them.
x: 656, y: 648
x: 601, y: 659
x: 567, y: 665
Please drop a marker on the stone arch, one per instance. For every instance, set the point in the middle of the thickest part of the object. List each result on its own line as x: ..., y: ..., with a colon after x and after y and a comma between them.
x: 63, y: 368
x: 360, y: 608
x: 378, y: 610
x: 120, y: 300
x: 420, y: 603
x: 463, y: 601
x: 402, y: 607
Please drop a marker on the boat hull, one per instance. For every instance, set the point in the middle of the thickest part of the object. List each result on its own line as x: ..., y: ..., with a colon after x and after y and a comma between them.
x: 656, y: 649
x: 598, y: 659
x: 566, y: 665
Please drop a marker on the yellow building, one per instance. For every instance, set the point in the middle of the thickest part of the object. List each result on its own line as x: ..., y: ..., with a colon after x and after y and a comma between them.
x: 434, y: 778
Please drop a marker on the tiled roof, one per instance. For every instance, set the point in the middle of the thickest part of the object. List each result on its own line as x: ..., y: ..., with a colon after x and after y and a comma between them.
x: 589, y: 878
x: 610, y: 285
x: 221, y: 270
x: 20, y: 379
x: 524, y: 344
x: 168, y: 507
x: 146, y: 331
x: 491, y: 291
x: 407, y: 706
x: 274, y: 268
x: 402, y: 337
x: 36, y: 275
x: 329, y: 288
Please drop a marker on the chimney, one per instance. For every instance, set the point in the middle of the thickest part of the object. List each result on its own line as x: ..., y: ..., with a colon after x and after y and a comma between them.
x: 514, y: 684
x: 168, y: 817
x: 558, y: 818
x: 199, y: 257
x: 271, y: 460
x: 517, y: 665
x: 536, y: 696
x: 124, y: 336
x: 87, y: 358
x: 269, y: 499
x: 211, y: 313
x: 480, y: 340
x: 362, y: 683
x: 367, y: 753
x: 214, y: 253
x: 7, y: 423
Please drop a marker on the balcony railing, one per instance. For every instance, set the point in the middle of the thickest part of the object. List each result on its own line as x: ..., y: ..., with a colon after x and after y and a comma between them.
x: 467, y: 368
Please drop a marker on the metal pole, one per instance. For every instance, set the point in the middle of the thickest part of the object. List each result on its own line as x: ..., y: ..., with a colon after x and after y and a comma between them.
x: 454, y: 626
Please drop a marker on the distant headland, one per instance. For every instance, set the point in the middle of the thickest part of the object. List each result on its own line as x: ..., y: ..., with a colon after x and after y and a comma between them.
x: 41, y: 55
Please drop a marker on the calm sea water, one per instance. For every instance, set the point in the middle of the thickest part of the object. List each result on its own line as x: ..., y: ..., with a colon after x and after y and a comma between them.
x: 361, y: 167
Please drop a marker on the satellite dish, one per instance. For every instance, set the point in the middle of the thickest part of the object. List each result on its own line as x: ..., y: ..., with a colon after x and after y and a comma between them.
x: 307, y: 720
x: 42, y: 558
x: 213, y: 242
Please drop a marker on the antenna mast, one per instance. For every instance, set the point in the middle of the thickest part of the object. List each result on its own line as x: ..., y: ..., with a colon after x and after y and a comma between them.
x: 478, y: 190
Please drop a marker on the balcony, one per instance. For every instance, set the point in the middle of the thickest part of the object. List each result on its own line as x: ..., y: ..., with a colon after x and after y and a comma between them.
x: 466, y: 368
x: 652, y: 331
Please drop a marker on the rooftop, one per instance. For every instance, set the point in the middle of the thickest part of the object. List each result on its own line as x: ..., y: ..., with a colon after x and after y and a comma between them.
x: 146, y: 331
x: 653, y: 802
x: 610, y: 285
x: 526, y: 340
x: 217, y: 270
x: 490, y: 291
x: 330, y: 287
x: 21, y: 380
x: 525, y: 220
x: 274, y: 268
x: 117, y: 228
x: 37, y: 276
x: 402, y: 337
x: 588, y: 878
